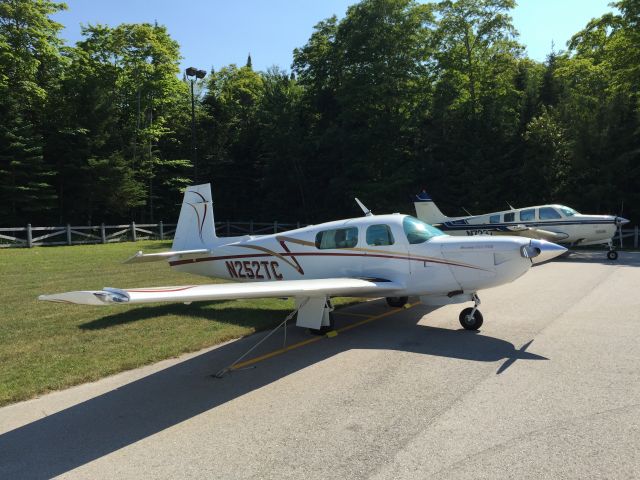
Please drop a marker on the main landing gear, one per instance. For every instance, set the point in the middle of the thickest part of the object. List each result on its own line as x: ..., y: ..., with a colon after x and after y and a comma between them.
x: 328, y: 322
x: 471, y: 318
x: 397, y: 302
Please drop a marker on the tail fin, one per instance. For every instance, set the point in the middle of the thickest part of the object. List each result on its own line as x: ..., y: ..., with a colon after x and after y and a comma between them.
x: 426, y: 209
x: 196, y: 227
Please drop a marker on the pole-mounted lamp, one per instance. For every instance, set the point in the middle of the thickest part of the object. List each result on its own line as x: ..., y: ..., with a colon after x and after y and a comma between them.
x: 194, y: 74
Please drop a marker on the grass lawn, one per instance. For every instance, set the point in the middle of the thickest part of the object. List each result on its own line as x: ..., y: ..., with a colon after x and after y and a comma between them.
x: 47, y: 346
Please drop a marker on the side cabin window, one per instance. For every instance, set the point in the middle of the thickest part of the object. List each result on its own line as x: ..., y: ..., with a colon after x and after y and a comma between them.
x: 494, y: 219
x: 418, y: 231
x: 568, y: 212
x: 528, y: 215
x: 548, y: 213
x: 337, y: 238
x: 379, y: 235
x: 509, y: 217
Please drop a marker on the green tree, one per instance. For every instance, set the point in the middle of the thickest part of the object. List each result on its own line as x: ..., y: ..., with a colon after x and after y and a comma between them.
x: 29, y: 64
x: 121, y: 101
x: 368, y: 78
x: 477, y: 104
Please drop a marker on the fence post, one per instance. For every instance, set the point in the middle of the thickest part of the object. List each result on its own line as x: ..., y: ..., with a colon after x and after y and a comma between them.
x: 68, y: 234
x: 161, y: 226
x: 133, y: 232
x: 275, y: 227
x: 103, y: 234
x: 298, y: 225
x: 635, y: 237
x: 29, y: 236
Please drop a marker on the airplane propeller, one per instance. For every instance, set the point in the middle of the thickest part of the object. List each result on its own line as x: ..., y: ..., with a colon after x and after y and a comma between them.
x: 620, y: 221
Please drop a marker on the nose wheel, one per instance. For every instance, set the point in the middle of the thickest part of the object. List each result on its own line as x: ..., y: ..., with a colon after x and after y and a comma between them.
x: 471, y: 318
x: 612, y: 255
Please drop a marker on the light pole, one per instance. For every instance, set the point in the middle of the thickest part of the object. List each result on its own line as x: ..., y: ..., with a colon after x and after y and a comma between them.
x: 193, y: 74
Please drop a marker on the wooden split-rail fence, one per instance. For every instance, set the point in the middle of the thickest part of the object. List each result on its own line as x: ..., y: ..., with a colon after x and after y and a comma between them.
x: 77, y: 235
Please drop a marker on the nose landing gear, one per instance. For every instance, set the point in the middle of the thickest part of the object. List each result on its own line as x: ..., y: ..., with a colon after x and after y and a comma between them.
x: 471, y: 318
x: 612, y: 254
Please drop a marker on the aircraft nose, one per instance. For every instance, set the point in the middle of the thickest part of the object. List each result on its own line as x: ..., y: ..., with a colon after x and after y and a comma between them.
x: 540, y: 251
x: 621, y: 221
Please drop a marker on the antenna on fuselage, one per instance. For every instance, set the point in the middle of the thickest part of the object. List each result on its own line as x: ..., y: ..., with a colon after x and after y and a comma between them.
x: 510, y: 206
x: 366, y: 211
x: 468, y: 212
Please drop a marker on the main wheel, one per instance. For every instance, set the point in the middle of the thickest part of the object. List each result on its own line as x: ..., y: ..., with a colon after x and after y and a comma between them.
x: 397, y: 302
x: 469, y: 322
x: 325, y: 328
x: 612, y: 255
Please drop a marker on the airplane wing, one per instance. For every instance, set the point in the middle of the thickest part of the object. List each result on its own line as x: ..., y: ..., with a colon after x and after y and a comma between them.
x: 537, y: 233
x: 345, y: 287
x: 547, y: 235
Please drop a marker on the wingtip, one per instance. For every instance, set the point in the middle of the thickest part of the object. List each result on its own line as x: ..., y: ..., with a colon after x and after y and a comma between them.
x: 134, y: 257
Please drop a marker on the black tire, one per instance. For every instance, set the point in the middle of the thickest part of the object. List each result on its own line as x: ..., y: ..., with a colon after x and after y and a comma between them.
x: 473, y: 323
x: 612, y: 255
x: 324, y: 329
x: 397, y: 302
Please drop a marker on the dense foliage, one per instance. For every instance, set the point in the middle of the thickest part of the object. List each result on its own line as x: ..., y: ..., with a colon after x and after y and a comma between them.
x: 395, y: 97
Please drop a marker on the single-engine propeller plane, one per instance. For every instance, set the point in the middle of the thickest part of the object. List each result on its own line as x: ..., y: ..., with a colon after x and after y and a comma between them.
x: 393, y: 256
x: 554, y: 223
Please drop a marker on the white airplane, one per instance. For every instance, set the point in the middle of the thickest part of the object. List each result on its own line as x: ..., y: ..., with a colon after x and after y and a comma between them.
x: 554, y: 223
x: 393, y: 256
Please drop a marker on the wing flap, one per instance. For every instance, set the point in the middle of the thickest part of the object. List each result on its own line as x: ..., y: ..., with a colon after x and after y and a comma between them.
x: 225, y: 291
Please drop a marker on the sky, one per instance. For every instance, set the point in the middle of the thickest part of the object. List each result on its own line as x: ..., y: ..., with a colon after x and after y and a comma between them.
x: 214, y: 33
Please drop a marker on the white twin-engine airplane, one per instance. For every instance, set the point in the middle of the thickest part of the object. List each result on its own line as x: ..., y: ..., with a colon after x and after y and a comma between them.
x: 393, y: 256
x: 554, y: 223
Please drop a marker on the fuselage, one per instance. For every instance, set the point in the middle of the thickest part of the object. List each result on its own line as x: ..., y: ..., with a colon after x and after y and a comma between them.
x: 570, y: 227
x: 394, y: 247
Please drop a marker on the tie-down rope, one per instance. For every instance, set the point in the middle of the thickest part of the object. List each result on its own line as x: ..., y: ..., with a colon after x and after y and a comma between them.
x: 224, y: 371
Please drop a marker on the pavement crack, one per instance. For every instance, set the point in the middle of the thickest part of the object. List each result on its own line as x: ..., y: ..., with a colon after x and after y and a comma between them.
x: 531, y: 433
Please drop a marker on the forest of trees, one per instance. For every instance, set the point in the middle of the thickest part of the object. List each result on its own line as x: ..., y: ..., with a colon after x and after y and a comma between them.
x: 395, y: 97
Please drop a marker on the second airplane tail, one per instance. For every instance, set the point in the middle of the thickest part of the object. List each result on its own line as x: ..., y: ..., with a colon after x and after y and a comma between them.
x: 427, y: 210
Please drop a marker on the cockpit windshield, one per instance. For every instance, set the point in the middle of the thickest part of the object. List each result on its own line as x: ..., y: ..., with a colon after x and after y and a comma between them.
x: 568, y: 212
x: 418, y: 231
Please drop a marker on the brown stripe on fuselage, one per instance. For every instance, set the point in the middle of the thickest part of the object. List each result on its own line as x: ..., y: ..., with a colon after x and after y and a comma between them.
x: 323, y: 254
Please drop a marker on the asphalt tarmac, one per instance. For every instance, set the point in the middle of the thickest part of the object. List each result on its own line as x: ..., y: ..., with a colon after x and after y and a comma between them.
x: 549, y: 388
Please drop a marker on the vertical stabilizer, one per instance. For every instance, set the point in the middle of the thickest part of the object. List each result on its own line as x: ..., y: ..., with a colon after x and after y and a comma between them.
x: 426, y: 209
x: 196, y: 227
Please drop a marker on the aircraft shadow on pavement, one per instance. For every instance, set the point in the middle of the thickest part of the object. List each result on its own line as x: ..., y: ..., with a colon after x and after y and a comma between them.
x: 94, y: 428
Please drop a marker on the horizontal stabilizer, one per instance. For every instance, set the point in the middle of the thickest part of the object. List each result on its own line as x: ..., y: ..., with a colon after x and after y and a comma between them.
x: 155, y: 257
x: 346, y: 287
